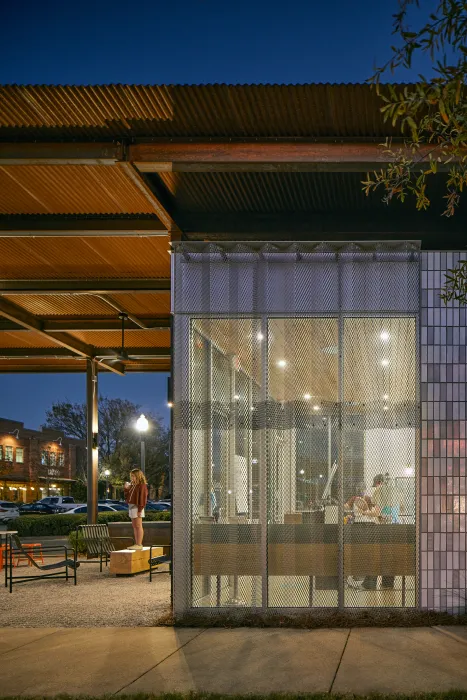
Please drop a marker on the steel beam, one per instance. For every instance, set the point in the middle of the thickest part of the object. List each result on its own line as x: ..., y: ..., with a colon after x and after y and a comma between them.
x: 86, y: 286
x: 18, y: 315
x: 161, y: 211
x: 260, y: 155
x: 81, y: 325
x: 45, y: 226
x: 60, y: 153
x: 96, y: 353
x: 92, y: 439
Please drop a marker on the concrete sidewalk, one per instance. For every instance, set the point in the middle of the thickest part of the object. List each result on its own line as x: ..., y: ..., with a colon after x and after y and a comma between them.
x: 102, y: 660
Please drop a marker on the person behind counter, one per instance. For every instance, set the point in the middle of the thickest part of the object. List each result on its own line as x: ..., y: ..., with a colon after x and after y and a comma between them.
x: 363, y: 510
x: 136, y: 495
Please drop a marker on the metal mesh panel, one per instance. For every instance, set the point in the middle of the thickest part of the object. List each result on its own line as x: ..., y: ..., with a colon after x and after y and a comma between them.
x: 379, y: 437
x: 226, y: 355
x: 283, y: 409
x: 302, y: 441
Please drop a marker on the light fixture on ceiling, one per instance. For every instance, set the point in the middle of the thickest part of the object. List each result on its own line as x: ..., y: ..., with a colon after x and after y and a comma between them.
x: 237, y: 397
x: 302, y: 471
x: 384, y: 335
x: 385, y: 397
x: 281, y: 363
x: 384, y: 363
x: 260, y: 336
x: 316, y: 408
x: 385, y: 408
x: 307, y: 397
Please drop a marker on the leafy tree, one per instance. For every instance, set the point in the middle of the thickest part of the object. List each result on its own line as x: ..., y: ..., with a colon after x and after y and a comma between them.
x: 432, y: 116
x: 119, y: 444
x: 432, y: 113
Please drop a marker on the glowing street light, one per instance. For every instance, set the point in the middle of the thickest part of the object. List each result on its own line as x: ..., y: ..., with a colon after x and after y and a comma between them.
x: 142, y: 425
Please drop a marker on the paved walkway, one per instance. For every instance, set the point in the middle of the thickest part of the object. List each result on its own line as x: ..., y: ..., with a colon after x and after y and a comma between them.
x: 97, y: 661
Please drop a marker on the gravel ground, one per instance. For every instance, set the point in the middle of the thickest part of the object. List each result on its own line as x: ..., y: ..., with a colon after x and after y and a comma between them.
x: 99, y: 600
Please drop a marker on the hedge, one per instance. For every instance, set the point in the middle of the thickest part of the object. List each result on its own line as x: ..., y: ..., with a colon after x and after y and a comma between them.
x: 36, y: 525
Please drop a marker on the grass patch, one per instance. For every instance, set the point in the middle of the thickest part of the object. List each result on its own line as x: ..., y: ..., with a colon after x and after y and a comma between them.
x: 318, y: 619
x: 449, y: 695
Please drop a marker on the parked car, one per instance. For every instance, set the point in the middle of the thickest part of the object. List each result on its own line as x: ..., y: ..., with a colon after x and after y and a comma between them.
x: 114, y: 503
x: 8, y: 511
x: 81, y: 510
x: 63, y: 503
x: 37, y: 509
x: 157, y: 506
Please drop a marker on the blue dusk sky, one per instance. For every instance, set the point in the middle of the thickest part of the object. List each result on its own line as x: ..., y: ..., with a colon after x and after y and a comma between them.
x: 202, y: 41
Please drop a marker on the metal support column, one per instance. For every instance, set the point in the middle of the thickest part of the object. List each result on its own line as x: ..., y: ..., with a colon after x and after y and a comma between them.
x: 263, y: 462
x: 92, y: 439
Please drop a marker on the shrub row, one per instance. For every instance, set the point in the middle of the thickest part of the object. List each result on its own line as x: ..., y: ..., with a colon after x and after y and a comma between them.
x: 36, y: 525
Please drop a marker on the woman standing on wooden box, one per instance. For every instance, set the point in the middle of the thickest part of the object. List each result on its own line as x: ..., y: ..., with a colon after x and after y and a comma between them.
x: 136, y: 495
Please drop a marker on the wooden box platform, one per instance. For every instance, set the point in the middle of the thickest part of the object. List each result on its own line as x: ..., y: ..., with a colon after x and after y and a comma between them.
x: 127, y: 562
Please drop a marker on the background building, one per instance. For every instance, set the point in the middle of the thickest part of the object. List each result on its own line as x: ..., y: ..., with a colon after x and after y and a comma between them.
x: 36, y: 463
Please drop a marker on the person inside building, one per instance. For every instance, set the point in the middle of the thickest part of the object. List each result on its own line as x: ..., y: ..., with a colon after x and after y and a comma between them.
x: 362, y: 509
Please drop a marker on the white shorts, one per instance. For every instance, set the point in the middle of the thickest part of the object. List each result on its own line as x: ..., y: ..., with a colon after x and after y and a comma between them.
x: 133, y: 512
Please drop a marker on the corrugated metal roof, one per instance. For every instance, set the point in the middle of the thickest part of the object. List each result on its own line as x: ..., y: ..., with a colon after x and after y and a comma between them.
x: 24, y: 339
x: 70, y: 189
x: 86, y: 305
x: 62, y: 257
x: 58, y: 112
x: 268, y: 192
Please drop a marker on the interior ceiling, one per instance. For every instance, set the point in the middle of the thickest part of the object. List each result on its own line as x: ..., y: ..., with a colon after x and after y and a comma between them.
x: 309, y: 349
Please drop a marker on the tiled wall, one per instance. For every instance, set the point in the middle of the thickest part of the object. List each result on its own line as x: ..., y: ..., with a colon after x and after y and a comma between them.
x: 443, y: 440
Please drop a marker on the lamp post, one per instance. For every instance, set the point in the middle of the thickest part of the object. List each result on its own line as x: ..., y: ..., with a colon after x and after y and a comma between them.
x: 142, y: 425
x: 107, y: 474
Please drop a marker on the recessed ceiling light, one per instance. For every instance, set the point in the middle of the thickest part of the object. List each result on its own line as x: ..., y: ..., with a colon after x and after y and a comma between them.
x: 236, y: 397
x: 260, y: 336
x: 320, y: 476
x: 316, y: 408
x: 384, y: 363
x: 307, y: 397
x: 281, y: 363
x: 302, y: 471
x: 385, y: 397
x: 384, y: 336
x: 385, y: 408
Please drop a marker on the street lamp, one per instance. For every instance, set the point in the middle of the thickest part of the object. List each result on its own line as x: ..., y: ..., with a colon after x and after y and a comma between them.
x: 142, y: 425
x: 107, y: 474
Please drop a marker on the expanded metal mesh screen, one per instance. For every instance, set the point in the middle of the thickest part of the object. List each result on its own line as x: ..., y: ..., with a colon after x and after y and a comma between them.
x: 296, y: 426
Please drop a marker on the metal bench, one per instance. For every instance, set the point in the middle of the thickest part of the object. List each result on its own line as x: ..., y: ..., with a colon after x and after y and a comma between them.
x: 154, y: 562
x: 60, y: 566
x: 98, y: 542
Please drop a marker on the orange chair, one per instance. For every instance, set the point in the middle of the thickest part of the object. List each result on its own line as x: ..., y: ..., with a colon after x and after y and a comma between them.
x: 31, y: 548
x: 4, y: 548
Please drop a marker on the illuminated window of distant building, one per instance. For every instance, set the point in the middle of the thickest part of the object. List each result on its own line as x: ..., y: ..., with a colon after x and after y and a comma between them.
x: 53, y: 459
x: 1, y: 452
x: 61, y: 459
x: 8, y: 453
x: 44, y: 457
x: 20, y: 455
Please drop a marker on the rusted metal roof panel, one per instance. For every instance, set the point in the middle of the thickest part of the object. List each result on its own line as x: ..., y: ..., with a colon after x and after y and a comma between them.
x: 60, y: 112
x: 77, y: 258
x: 24, y: 339
x: 50, y: 305
x: 70, y: 189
